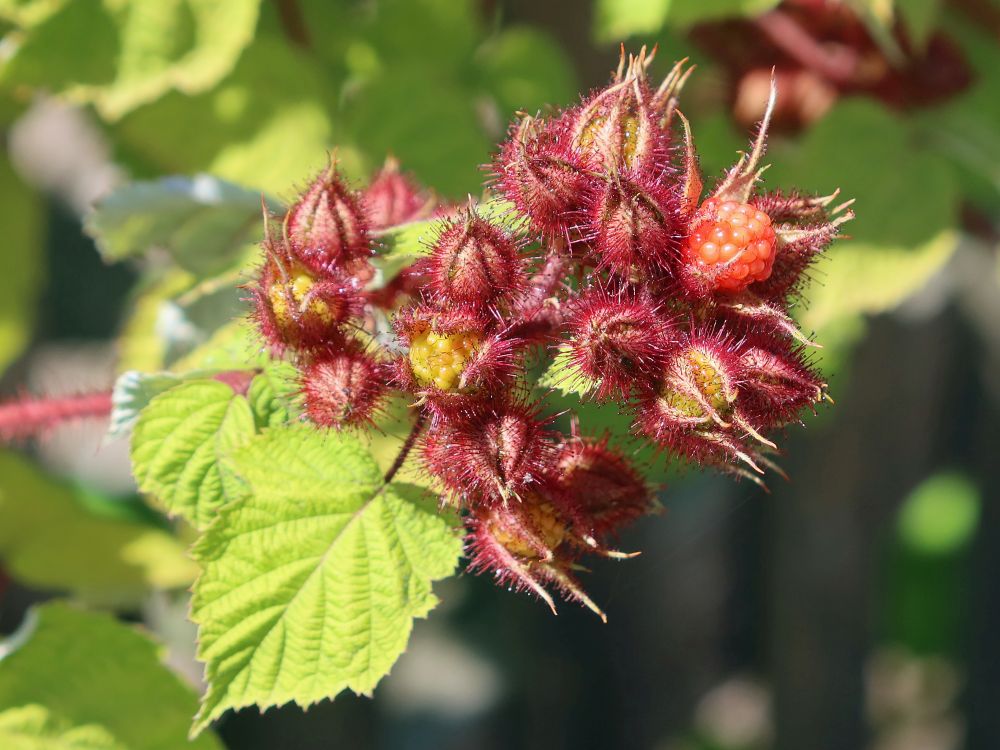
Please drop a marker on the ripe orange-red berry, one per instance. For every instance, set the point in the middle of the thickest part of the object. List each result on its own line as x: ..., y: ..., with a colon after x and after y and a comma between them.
x: 732, y: 246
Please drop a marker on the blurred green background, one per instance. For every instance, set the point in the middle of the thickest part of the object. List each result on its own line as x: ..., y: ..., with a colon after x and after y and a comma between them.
x: 854, y: 607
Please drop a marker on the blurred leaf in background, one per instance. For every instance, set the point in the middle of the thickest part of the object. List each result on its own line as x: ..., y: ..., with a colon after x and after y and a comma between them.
x: 57, y: 537
x: 24, y: 264
x: 907, y: 205
x: 100, y: 678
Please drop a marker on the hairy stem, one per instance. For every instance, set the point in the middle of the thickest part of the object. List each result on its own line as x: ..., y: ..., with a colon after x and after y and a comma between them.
x: 407, y: 446
x: 29, y: 417
x: 544, y: 283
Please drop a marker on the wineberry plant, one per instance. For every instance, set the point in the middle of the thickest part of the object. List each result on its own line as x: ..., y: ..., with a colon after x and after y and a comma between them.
x: 409, y: 380
x: 397, y: 407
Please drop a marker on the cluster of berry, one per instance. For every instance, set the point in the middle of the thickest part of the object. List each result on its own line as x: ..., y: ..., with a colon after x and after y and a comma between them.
x: 673, y: 307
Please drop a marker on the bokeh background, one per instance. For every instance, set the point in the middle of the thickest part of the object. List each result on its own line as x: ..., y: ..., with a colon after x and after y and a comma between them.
x: 856, y: 606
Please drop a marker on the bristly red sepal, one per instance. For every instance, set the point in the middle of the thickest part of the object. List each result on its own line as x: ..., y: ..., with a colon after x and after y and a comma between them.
x: 297, y: 308
x: 344, y: 387
x: 739, y: 240
x: 719, y: 397
x: 617, y: 128
x: 691, y: 182
x: 526, y: 546
x: 327, y: 227
x: 778, y: 382
x: 617, y: 339
x: 804, y: 227
x: 605, y: 489
x: 394, y: 198
x: 453, y: 350
x: 476, y: 264
x: 739, y: 182
x: 547, y: 183
x: 635, y: 225
x: 490, y: 451
x: 692, y: 411
x: 747, y: 314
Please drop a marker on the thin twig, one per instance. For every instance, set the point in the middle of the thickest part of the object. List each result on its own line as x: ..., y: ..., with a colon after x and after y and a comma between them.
x: 404, y: 451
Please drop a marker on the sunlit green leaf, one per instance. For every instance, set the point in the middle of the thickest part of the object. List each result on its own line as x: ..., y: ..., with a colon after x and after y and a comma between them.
x: 268, y: 125
x: 401, y: 246
x: 95, y: 679
x: 616, y: 20
x: 565, y: 377
x: 20, y: 282
x: 525, y: 69
x: 203, y: 222
x: 311, y: 582
x: 75, y: 44
x: 180, y: 442
x: 50, y: 539
x: 33, y: 727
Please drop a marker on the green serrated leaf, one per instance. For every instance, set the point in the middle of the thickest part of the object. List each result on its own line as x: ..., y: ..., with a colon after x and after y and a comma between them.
x: 311, y: 583
x: 132, y: 392
x: 97, y: 678
x: 274, y: 395
x: 565, y: 377
x: 183, y: 45
x: 120, y: 55
x: 51, y: 539
x: 20, y: 214
x: 33, y: 727
x: 203, y: 222
x: 179, y: 441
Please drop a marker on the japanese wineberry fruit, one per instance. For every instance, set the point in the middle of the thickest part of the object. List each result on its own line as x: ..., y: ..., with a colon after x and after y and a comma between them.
x: 598, y: 257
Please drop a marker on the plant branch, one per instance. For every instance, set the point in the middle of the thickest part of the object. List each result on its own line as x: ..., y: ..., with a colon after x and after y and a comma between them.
x: 28, y: 417
x: 404, y: 451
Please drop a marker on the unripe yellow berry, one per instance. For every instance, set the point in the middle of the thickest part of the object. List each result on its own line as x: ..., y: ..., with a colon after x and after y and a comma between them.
x: 546, y: 525
x: 709, y: 381
x: 295, y: 291
x: 439, y: 358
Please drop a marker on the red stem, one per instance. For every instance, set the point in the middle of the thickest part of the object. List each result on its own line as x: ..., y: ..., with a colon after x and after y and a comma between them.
x: 407, y: 446
x: 29, y: 417
x: 543, y: 284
